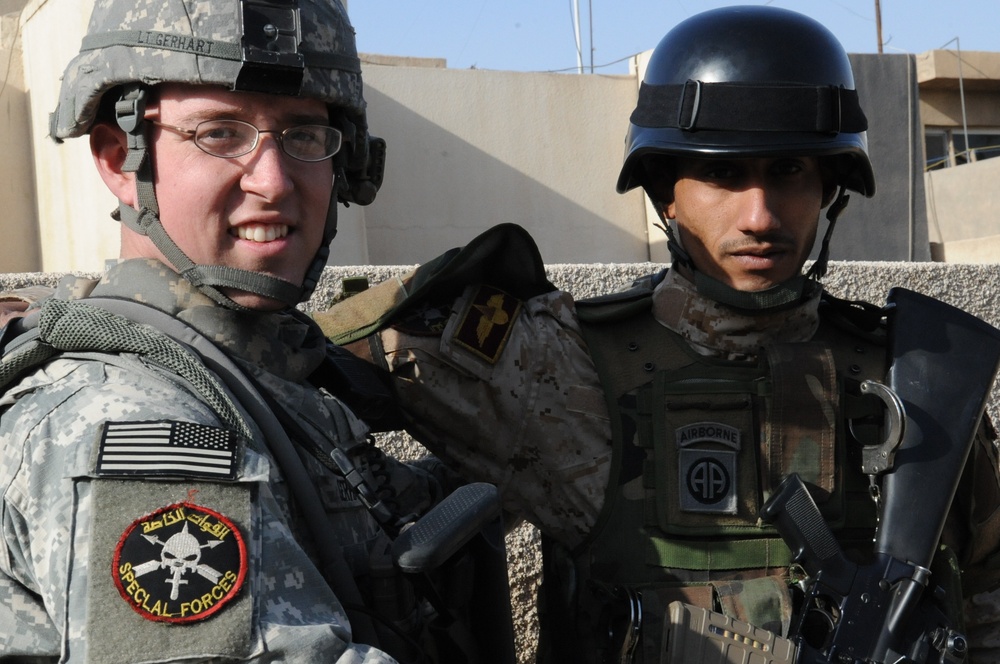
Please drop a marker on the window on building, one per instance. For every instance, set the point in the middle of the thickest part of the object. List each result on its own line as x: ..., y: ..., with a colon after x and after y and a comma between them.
x: 936, y: 147
x: 947, y: 147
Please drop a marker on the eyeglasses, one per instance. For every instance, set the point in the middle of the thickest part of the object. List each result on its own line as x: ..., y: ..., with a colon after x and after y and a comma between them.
x: 235, y: 138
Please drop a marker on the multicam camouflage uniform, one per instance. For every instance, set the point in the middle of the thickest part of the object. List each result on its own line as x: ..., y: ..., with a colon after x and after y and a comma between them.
x: 177, y: 562
x: 507, y: 391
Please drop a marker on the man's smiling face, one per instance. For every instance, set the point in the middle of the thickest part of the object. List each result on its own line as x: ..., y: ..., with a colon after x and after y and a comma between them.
x: 263, y: 211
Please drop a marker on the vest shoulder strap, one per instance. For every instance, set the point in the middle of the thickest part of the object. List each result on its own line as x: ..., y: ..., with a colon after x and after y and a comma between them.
x: 623, y: 305
x: 854, y: 317
x: 361, y: 385
x: 626, y: 342
x: 20, y: 349
x: 124, y: 326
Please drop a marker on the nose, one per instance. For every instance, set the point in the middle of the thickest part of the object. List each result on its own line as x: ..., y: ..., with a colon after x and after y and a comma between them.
x: 756, y: 215
x: 267, y: 169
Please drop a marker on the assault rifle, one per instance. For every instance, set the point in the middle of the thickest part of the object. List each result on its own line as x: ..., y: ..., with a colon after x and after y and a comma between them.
x: 944, y: 362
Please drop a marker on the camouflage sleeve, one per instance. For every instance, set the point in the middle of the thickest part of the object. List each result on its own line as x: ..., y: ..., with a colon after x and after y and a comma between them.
x: 504, y: 391
x: 14, y: 303
x: 142, y: 568
x: 975, y: 520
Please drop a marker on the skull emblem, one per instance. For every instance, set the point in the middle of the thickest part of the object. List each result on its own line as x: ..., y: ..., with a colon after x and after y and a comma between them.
x: 181, y: 552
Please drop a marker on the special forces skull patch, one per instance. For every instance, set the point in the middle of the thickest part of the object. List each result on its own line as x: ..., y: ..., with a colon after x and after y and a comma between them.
x: 180, y: 564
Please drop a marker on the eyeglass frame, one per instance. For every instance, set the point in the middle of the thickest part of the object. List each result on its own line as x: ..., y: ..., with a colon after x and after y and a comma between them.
x: 279, y: 135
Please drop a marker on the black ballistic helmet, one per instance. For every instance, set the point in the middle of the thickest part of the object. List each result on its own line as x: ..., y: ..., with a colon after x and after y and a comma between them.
x: 749, y: 82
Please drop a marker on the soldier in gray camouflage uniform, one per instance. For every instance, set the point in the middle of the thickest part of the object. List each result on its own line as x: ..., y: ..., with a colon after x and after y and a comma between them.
x: 642, y: 431
x: 148, y: 512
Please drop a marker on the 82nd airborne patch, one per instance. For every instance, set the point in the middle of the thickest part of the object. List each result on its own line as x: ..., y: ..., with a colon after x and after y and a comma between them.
x: 707, y: 467
x: 180, y: 564
x: 487, y: 322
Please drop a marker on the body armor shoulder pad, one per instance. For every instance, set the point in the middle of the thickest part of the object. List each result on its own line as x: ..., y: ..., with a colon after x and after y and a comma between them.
x: 855, y: 317
x: 361, y: 386
x: 622, y: 305
x: 504, y: 256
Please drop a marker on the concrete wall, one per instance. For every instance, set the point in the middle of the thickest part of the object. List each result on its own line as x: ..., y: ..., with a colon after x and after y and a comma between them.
x: 893, y: 224
x: 964, y: 228
x: 974, y: 288
x: 73, y: 203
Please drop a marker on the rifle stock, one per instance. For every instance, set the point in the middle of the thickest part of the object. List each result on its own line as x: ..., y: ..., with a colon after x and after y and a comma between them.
x: 944, y: 362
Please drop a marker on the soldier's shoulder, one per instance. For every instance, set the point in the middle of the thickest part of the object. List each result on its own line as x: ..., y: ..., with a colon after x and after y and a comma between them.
x: 853, y: 317
x: 620, y: 305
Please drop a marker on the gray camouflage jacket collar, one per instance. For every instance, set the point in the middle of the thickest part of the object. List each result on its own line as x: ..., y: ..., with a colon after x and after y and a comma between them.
x: 286, y: 343
x: 717, y: 330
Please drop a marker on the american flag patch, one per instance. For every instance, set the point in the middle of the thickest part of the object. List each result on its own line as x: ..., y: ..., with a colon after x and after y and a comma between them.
x: 168, y: 449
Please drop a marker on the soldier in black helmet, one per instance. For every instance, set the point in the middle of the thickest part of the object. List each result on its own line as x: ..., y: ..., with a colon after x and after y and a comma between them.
x: 642, y: 431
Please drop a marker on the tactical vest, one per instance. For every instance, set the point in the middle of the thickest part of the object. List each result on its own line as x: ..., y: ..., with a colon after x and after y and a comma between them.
x: 699, y: 444
x: 106, y: 325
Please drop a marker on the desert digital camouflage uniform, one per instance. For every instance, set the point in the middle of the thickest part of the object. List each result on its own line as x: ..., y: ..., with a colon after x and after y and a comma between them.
x: 63, y: 520
x: 507, y: 391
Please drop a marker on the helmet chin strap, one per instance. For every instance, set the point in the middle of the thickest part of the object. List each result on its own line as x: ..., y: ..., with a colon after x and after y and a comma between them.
x: 818, y: 269
x: 781, y: 296
x: 209, y: 279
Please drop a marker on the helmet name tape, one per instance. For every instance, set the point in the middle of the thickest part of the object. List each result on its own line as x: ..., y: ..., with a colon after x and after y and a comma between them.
x: 697, y: 105
x: 162, y: 40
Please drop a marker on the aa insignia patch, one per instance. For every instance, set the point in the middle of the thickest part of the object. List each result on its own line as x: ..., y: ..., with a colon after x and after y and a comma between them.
x: 180, y: 564
x: 486, y: 323
x: 707, y: 469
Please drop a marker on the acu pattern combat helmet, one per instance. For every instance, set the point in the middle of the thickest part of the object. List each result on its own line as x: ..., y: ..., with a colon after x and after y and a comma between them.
x: 750, y: 82
x: 289, y: 47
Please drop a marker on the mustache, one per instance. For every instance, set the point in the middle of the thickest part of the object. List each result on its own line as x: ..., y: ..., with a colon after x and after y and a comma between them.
x: 767, y: 241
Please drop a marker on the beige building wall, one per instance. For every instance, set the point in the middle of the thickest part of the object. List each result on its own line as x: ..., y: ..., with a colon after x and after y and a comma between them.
x: 497, y: 140
x: 963, y: 202
x: 73, y: 203
x: 965, y: 228
x: 468, y: 149
x: 941, y: 76
x: 21, y: 249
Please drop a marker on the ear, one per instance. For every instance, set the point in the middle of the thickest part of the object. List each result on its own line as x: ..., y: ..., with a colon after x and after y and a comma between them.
x: 109, y: 147
x: 661, y: 194
x: 831, y: 171
x: 669, y: 208
x: 830, y: 190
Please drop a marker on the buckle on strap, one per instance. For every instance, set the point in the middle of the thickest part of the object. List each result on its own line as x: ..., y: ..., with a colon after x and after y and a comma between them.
x: 130, y: 110
x: 688, y: 105
x: 834, y: 107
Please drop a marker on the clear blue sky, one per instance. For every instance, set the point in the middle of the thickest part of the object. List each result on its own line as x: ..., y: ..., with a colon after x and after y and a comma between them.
x: 538, y: 35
